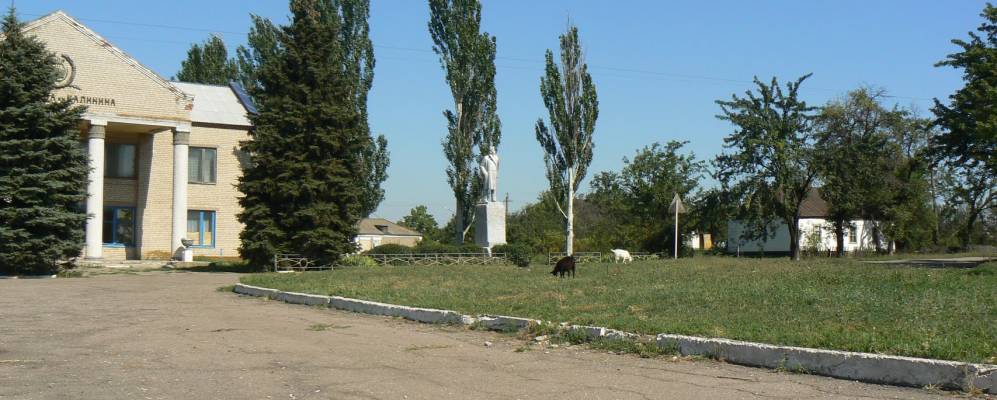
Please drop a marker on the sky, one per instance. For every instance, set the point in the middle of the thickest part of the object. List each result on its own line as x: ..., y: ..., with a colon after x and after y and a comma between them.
x: 658, y: 67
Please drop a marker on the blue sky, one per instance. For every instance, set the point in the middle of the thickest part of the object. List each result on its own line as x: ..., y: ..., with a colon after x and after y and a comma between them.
x: 658, y: 67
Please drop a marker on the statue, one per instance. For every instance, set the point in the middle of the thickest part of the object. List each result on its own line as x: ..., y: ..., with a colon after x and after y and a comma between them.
x: 489, y: 175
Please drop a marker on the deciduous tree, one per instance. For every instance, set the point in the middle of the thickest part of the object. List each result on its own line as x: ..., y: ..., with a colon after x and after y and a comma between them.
x: 208, y: 63
x: 467, y: 56
x: 573, y: 107
x: 771, y: 165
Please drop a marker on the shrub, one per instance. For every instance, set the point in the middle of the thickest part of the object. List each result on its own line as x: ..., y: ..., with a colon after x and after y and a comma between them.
x: 434, y: 247
x: 470, y: 248
x: 358, y: 261
x: 390, y: 248
x: 516, y: 254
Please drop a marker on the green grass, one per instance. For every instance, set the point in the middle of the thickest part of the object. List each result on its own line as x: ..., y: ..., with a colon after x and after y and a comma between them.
x: 823, y: 303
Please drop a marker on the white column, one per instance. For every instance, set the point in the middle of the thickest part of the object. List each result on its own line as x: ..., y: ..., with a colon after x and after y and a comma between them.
x: 95, y: 190
x: 181, y: 143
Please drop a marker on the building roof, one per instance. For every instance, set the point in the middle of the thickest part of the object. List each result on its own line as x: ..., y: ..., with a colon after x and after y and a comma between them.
x: 214, y: 104
x: 814, y: 206
x: 381, y: 226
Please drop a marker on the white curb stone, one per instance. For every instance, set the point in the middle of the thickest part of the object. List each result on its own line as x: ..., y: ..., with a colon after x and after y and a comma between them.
x: 427, y: 315
x: 905, y: 371
x: 302, y: 298
x: 255, y: 291
x: 592, y: 332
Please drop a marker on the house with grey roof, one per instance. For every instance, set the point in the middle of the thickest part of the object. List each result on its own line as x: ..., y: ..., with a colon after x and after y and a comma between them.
x: 373, y: 232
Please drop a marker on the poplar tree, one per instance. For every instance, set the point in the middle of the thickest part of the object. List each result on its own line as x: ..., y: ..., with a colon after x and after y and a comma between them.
x: 573, y: 106
x: 300, y: 192
x: 771, y: 167
x: 208, y: 63
x: 43, y: 169
x: 467, y: 56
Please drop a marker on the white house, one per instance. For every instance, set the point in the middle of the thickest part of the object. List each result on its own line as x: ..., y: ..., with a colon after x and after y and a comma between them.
x: 816, y: 232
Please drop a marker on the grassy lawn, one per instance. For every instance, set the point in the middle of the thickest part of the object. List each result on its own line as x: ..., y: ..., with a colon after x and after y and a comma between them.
x: 826, y: 303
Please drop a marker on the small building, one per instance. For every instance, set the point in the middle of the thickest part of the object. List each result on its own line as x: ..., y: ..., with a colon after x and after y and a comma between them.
x: 164, y: 156
x: 816, y: 232
x: 373, y: 232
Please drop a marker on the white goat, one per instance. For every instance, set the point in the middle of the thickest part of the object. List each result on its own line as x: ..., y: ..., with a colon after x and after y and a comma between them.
x: 622, y: 255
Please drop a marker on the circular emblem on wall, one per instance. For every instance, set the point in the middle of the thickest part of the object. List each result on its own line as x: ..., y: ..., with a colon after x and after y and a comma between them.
x: 67, y: 72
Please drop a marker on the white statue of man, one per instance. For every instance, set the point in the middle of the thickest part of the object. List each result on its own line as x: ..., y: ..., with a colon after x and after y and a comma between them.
x: 489, y: 174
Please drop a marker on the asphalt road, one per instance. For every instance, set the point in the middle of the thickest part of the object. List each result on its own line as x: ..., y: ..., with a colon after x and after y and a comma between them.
x: 175, y: 336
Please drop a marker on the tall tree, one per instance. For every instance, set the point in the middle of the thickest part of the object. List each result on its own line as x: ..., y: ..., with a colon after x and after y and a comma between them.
x: 771, y: 167
x: 422, y: 221
x: 263, y: 45
x: 639, y: 196
x: 374, y: 161
x: 971, y: 192
x: 857, y: 157
x: 359, y: 55
x: 467, y: 57
x: 573, y: 107
x: 208, y: 63
x: 300, y: 192
x: 43, y: 169
x: 970, y: 120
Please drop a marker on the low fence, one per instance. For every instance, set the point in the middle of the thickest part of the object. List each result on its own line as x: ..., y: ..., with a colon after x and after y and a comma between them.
x: 439, y: 259
x: 580, y: 257
x: 286, y: 262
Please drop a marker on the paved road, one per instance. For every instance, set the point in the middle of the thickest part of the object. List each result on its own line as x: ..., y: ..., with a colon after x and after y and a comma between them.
x: 174, y: 336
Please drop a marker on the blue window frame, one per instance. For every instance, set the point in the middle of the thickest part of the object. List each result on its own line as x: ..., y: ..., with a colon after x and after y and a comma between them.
x: 201, y: 228
x: 119, y: 226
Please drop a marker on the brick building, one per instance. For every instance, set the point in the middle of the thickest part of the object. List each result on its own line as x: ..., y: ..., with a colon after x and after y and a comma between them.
x: 164, y: 156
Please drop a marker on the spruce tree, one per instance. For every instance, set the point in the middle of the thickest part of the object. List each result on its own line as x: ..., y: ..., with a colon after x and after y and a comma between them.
x: 300, y: 190
x: 43, y: 169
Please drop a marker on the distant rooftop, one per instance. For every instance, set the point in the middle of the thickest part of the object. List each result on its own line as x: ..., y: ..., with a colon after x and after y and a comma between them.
x: 381, y: 226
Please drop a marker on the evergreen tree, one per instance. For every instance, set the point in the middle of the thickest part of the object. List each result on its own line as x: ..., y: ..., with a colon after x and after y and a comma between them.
x: 374, y: 161
x: 772, y: 167
x: 43, y: 169
x: 300, y: 190
x: 970, y: 121
x: 573, y: 108
x: 208, y: 63
x: 467, y: 55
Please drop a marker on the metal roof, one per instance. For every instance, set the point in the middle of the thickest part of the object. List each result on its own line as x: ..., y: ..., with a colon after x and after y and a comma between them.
x: 381, y: 226
x: 215, y: 104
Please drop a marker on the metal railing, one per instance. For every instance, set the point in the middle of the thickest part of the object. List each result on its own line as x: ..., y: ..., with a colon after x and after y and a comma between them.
x: 286, y: 262
x: 439, y: 259
x: 580, y: 257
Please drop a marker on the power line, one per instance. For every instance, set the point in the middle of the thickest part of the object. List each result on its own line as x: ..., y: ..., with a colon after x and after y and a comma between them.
x: 516, y: 59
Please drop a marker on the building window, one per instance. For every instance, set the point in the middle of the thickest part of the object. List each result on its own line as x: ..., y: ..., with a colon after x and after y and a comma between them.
x: 119, y: 226
x: 853, y: 235
x: 201, y: 228
x: 201, y: 165
x: 119, y: 160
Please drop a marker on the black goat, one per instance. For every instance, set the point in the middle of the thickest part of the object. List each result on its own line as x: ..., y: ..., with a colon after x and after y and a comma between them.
x: 564, y: 266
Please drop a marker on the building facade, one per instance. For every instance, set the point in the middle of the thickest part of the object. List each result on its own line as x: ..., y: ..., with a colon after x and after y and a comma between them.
x: 164, y: 156
x: 816, y: 232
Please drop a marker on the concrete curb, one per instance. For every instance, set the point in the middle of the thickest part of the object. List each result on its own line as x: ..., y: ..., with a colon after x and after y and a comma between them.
x: 865, y: 367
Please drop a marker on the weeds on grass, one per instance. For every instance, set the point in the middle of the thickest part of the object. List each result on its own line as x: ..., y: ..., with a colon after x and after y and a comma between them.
x: 325, y: 327
x: 428, y: 347
x: 227, y: 289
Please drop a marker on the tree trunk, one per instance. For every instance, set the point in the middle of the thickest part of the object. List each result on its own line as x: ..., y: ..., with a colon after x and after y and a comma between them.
x: 794, y: 239
x: 839, y: 236
x: 569, y: 246
x: 877, y: 237
x: 459, y: 222
x: 967, y: 233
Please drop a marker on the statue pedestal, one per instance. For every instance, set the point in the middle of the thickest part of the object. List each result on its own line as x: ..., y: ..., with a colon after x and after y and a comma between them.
x: 489, y: 224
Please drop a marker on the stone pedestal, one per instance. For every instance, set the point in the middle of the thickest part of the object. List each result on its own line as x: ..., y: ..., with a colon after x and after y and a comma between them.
x: 489, y: 224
